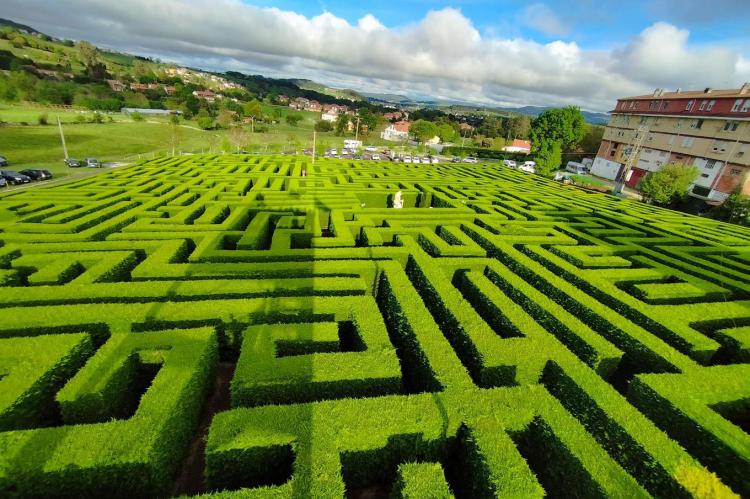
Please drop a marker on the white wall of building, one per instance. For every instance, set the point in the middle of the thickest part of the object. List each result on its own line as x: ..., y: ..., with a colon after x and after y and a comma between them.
x: 605, y: 168
x: 652, y: 159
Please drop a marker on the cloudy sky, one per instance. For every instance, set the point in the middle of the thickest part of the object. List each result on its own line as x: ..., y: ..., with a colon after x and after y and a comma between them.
x: 554, y: 52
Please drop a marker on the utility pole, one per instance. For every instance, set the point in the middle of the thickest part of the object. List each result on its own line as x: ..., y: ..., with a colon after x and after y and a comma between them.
x: 635, y: 149
x: 62, y: 137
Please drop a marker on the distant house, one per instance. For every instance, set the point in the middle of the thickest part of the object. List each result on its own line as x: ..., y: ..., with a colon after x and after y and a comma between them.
x: 116, y: 85
x: 206, y: 95
x: 518, y: 145
x: 395, y: 115
x: 313, y: 106
x: 465, y: 127
x: 329, y: 116
x: 169, y: 90
x: 396, y: 131
x: 140, y: 87
x: 283, y: 99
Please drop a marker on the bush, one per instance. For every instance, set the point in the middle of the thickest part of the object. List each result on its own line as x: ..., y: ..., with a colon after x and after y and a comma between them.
x: 323, y: 126
x: 205, y: 122
x: 42, y: 119
x: 136, y: 116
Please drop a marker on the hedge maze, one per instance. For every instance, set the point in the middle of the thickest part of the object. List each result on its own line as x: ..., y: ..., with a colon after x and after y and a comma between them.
x: 224, y: 325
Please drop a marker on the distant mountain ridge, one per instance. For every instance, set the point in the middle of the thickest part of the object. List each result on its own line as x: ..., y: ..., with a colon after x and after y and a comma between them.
x: 590, y: 116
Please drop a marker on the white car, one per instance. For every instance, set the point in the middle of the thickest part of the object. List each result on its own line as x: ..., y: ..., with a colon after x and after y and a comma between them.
x: 509, y: 163
x: 376, y: 157
x: 407, y: 159
x: 425, y: 160
x: 371, y: 149
x: 434, y: 160
x: 527, y: 168
x: 470, y: 160
x: 577, y: 168
x: 529, y: 163
x: 333, y: 151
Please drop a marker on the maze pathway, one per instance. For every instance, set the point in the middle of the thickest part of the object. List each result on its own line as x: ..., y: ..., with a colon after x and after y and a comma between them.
x: 501, y: 335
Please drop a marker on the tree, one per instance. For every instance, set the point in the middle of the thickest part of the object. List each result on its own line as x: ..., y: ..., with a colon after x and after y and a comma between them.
x: 342, y: 124
x: 87, y: 53
x: 205, y: 122
x: 592, y: 139
x: 237, y: 137
x: 293, y: 119
x: 253, y: 109
x: 446, y: 132
x: 492, y: 127
x: 225, y: 118
x: 564, y: 125
x: 548, y: 157
x: 43, y: 119
x: 667, y: 185
x: 323, y: 126
x: 735, y: 209
x: 423, y: 130
x: 368, y: 121
x: 519, y: 126
x: 18, y: 41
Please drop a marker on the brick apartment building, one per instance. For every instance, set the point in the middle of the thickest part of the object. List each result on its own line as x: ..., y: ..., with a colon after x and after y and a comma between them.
x: 709, y: 129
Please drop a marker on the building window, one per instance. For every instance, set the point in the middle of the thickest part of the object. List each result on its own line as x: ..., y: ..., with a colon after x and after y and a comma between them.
x: 731, y: 126
x: 720, y: 146
x: 742, y: 151
x: 704, y: 175
x: 665, y: 104
x: 710, y: 105
x: 653, y: 105
x: 703, y: 105
x: 689, y: 106
x: 697, y: 124
x: 678, y: 124
x: 745, y: 106
x: 688, y: 142
x: 643, y: 121
x: 735, y: 172
x: 710, y: 164
x: 737, y: 105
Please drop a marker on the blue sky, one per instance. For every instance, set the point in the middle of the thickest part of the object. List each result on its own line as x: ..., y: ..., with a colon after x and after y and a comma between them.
x: 593, y: 24
x: 506, y: 53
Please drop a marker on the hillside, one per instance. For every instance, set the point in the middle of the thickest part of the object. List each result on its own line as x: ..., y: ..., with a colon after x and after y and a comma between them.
x: 339, y: 93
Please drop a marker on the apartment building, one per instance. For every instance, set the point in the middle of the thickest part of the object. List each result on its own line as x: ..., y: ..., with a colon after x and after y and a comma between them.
x: 709, y: 129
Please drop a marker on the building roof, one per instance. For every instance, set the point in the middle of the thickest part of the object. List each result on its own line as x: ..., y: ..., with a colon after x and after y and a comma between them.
x: 402, y: 126
x: 707, y: 93
x: 521, y: 143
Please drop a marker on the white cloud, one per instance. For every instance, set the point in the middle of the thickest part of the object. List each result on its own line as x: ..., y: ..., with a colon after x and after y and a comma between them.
x: 443, y: 55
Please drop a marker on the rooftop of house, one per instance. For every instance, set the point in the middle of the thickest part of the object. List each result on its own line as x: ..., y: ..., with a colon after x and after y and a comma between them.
x: 707, y: 93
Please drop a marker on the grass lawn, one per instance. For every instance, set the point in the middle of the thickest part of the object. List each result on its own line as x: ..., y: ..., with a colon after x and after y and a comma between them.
x: 123, y: 139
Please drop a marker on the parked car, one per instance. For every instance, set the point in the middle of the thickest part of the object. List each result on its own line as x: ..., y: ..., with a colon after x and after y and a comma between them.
x: 434, y: 160
x: 455, y: 159
x: 3, y: 161
x: 527, y: 167
x: 529, y: 163
x: 407, y: 159
x: 371, y: 149
x: 469, y: 159
x: 376, y: 157
x: 425, y: 160
x: 36, y: 173
x: 72, y: 163
x: 14, y: 178
x: 577, y: 168
x: 509, y: 163
x: 3, y: 182
x: 93, y: 163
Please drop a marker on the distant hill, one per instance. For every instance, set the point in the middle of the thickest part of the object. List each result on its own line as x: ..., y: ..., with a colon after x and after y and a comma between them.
x: 339, y: 93
x: 19, y: 26
x: 589, y: 116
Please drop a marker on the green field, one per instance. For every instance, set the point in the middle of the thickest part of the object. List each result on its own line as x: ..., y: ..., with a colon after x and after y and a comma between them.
x: 125, y: 140
x: 224, y: 325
